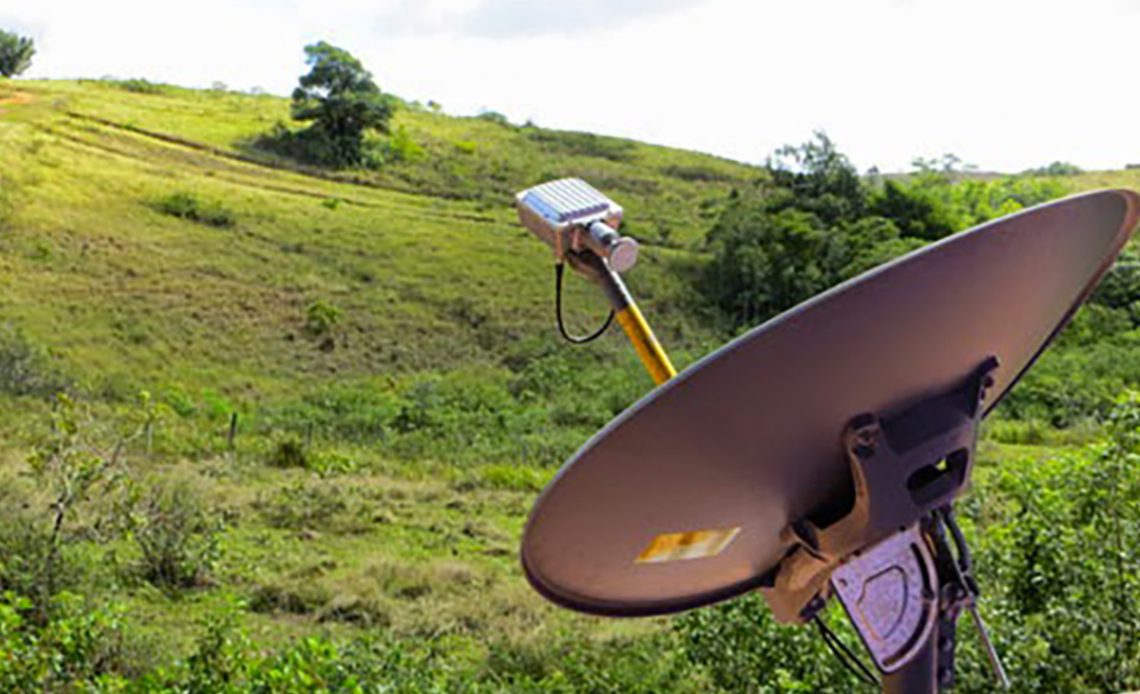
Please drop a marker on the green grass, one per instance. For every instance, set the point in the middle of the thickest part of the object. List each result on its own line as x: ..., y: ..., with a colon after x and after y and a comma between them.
x: 396, y: 323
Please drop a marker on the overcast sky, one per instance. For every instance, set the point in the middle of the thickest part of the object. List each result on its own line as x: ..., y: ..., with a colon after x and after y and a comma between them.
x: 1005, y: 85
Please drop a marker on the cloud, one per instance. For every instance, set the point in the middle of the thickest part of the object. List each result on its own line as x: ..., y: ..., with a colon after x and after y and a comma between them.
x: 505, y: 19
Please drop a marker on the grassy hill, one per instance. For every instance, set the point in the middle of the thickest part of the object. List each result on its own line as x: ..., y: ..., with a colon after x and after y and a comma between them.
x: 443, y: 312
x: 385, y: 341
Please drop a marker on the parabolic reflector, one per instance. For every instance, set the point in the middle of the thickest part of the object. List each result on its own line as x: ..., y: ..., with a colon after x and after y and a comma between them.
x: 682, y: 499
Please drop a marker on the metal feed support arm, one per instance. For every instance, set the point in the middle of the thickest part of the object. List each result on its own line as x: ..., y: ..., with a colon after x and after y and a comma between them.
x: 629, y: 316
x: 580, y: 225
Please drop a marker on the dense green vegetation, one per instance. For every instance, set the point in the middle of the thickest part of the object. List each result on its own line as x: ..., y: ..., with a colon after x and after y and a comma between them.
x: 16, y: 53
x: 343, y: 103
x: 306, y: 410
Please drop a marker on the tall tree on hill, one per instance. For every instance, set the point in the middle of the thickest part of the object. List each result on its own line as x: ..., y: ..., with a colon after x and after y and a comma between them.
x: 343, y: 102
x: 15, y: 53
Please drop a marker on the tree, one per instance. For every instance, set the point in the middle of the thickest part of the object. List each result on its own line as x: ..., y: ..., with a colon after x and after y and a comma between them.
x: 343, y: 102
x: 15, y: 53
x: 916, y: 210
x: 822, y: 179
x: 808, y: 226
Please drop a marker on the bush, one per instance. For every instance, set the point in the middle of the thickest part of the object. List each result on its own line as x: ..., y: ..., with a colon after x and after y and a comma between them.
x: 189, y: 206
x: 401, y: 147
x: 1057, y: 168
x: 224, y: 659
x: 743, y: 648
x: 1055, y: 544
x: 315, y: 506
x: 288, y: 450
x: 177, y: 537
x: 80, y: 649
x: 25, y: 367
x: 16, y: 54
x: 697, y: 172
x: 584, y: 144
x: 320, y: 318
x: 494, y: 117
x: 139, y: 86
x: 7, y: 207
x: 73, y: 462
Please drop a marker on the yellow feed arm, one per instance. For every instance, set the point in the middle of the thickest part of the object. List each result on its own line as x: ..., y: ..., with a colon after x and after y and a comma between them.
x: 640, y: 335
x: 645, y: 342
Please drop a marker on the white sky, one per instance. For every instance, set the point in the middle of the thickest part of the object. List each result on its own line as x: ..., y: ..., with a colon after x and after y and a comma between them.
x: 1004, y: 84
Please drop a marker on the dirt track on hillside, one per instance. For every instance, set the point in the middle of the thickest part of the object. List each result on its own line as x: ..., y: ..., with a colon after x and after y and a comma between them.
x: 15, y: 99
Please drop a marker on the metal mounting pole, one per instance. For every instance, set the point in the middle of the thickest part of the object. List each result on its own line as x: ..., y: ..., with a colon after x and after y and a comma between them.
x: 918, y: 676
x: 640, y: 335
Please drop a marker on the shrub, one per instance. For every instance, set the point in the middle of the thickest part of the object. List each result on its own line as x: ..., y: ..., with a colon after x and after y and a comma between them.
x: 7, y: 207
x: 311, y: 506
x: 320, y: 318
x: 139, y: 86
x: 224, y: 659
x: 73, y: 461
x: 494, y: 117
x: 401, y: 147
x: 16, y: 53
x: 1057, y: 168
x: 177, y: 537
x: 697, y: 172
x: 1054, y: 551
x: 304, y: 598
x: 584, y: 144
x: 25, y: 367
x: 80, y: 649
x: 743, y: 648
x: 288, y: 450
x: 185, y: 205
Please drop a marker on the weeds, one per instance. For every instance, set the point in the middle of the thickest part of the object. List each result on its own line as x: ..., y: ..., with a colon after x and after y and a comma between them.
x: 320, y: 318
x: 138, y: 85
x: 288, y: 450
x: 189, y: 206
x: 315, y: 506
x: 72, y: 464
x: 177, y: 537
x: 25, y: 367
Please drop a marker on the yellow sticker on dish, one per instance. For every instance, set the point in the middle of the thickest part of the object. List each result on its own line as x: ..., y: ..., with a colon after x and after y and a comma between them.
x: 696, y: 544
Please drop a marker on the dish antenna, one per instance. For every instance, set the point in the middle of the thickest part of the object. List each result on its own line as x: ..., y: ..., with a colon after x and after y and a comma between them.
x: 820, y: 454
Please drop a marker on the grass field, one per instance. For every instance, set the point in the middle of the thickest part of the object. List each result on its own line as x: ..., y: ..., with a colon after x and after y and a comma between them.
x: 383, y: 338
x: 442, y: 302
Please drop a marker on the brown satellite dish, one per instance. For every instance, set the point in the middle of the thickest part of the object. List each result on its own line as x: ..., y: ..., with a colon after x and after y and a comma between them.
x: 701, y: 490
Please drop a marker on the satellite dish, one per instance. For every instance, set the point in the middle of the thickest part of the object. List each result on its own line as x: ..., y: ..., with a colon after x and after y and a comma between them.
x: 839, y: 426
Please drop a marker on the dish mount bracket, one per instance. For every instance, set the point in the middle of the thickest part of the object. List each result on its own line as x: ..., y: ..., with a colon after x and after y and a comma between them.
x: 903, y: 466
x: 886, y: 557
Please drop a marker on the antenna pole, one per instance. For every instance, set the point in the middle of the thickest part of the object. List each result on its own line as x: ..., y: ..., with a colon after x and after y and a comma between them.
x: 629, y: 316
x: 918, y: 676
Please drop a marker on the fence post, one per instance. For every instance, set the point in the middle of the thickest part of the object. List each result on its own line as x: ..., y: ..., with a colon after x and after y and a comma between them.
x: 232, y: 434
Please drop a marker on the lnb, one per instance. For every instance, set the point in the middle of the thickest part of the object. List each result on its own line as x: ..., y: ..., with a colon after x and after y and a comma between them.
x: 570, y: 215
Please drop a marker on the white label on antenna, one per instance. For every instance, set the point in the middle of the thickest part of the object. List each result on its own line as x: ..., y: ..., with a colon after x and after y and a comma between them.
x: 695, y: 544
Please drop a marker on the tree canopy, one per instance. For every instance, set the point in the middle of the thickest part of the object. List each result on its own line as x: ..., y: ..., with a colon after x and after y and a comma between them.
x: 812, y: 221
x: 342, y: 101
x: 15, y: 53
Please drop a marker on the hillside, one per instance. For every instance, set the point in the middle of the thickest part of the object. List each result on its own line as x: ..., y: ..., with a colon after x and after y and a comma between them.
x: 401, y: 266
x: 444, y: 311
x: 383, y: 342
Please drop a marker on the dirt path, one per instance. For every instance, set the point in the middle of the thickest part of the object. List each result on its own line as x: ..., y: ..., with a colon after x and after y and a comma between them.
x: 14, y: 99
